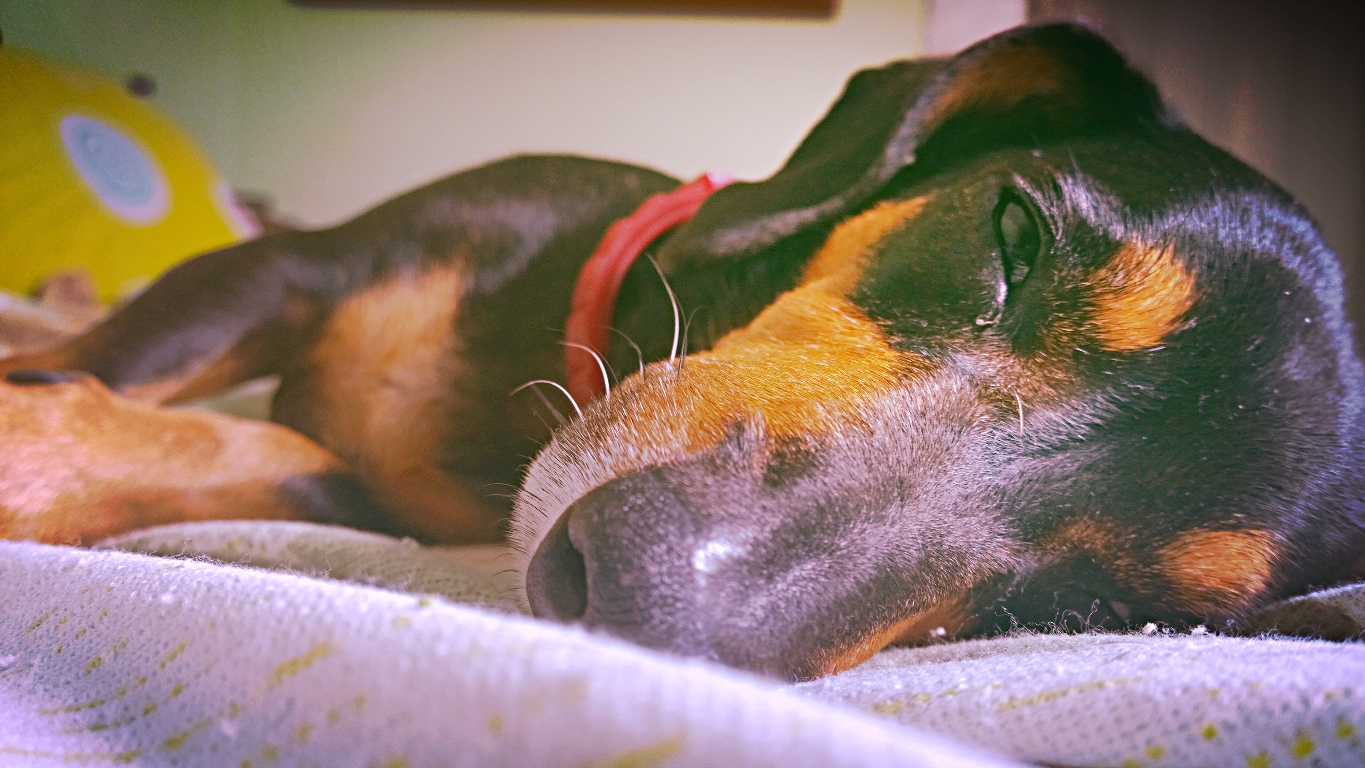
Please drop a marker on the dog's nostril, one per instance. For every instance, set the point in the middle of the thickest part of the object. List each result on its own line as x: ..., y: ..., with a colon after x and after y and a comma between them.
x: 557, y: 579
x: 32, y: 377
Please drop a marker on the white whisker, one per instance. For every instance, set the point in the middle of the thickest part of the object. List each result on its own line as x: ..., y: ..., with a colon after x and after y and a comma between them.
x: 1020, y: 401
x: 601, y: 364
x: 545, y: 401
x: 638, y: 354
x: 677, y: 311
x: 687, y: 326
x: 557, y: 386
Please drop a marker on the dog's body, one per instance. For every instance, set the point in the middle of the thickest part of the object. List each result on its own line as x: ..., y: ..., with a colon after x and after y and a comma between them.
x: 1002, y: 343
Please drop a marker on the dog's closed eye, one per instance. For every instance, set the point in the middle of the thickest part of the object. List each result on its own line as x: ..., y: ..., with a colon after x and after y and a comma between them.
x: 1019, y: 238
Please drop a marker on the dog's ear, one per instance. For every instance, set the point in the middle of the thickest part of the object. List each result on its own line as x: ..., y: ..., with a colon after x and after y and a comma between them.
x: 1026, y: 86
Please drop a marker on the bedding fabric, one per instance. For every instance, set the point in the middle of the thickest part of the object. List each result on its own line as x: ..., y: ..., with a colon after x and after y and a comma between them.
x: 292, y: 644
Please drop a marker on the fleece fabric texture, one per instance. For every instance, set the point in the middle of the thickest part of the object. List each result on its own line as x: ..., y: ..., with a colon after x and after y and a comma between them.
x: 328, y: 647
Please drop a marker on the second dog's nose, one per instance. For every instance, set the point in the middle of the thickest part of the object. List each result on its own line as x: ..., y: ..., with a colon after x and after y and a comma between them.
x: 30, y: 377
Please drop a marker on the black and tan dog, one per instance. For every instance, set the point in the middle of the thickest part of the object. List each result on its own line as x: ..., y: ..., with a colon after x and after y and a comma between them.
x: 1002, y: 343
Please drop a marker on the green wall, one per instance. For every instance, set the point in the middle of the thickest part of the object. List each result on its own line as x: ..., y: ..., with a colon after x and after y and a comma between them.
x: 332, y: 110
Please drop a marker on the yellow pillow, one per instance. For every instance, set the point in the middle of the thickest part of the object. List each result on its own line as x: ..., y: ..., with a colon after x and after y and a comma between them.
x: 92, y: 178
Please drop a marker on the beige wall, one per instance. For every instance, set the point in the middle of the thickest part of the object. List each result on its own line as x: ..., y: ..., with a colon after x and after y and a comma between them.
x: 330, y: 111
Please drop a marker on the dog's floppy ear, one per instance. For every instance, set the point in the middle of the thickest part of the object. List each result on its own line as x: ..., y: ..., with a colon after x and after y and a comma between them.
x: 1024, y: 86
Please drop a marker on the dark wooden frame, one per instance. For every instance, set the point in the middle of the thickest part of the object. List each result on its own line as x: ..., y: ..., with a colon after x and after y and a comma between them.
x: 812, y: 9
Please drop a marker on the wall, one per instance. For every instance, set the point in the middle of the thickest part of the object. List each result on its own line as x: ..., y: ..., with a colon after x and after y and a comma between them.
x: 331, y: 110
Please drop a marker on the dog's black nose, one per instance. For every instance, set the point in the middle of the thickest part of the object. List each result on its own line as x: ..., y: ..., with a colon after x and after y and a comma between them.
x: 33, y: 377
x: 617, y: 559
x: 590, y: 565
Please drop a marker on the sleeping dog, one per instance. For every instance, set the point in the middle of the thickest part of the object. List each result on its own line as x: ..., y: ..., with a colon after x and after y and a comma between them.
x: 1003, y: 343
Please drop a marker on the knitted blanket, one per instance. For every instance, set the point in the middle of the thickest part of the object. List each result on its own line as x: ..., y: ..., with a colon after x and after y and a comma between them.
x: 262, y: 644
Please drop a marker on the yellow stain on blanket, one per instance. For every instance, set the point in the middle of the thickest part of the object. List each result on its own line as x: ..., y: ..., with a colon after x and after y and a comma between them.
x: 646, y: 757
x: 1046, y: 696
x: 294, y: 666
x: 96, y: 662
x: 1346, y: 729
x: 40, y: 621
x: 1260, y: 760
x: 887, y: 708
x: 1303, y: 746
x: 73, y: 707
x: 176, y: 651
x: 74, y: 757
x: 178, y: 739
x: 892, y: 706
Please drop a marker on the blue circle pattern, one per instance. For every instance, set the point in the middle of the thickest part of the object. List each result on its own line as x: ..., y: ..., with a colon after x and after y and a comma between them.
x: 115, y: 167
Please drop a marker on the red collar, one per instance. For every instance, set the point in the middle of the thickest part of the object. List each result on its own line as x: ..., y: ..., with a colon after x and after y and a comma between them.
x: 599, y: 282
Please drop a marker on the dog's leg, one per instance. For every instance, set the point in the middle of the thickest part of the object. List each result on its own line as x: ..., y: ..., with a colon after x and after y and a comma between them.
x: 214, y: 321
x: 79, y: 463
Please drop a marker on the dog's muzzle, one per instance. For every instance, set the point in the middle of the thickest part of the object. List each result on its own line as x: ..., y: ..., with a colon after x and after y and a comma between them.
x: 673, y: 559
x: 778, y: 567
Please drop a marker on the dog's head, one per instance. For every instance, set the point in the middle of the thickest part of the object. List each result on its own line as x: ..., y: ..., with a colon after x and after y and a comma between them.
x: 1056, y: 352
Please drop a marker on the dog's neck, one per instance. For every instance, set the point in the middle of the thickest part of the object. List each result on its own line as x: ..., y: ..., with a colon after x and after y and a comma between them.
x: 586, y: 332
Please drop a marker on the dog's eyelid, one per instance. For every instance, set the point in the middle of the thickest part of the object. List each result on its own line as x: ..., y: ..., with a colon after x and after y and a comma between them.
x: 1020, y: 236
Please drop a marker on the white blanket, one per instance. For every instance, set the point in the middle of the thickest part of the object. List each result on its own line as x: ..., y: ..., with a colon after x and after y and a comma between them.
x: 339, y: 648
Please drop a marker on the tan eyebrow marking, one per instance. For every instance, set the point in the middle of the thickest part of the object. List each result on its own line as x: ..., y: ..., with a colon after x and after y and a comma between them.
x: 844, y: 255
x: 1139, y: 297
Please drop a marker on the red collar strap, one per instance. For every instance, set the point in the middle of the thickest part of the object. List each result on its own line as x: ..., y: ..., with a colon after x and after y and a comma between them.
x: 599, y: 282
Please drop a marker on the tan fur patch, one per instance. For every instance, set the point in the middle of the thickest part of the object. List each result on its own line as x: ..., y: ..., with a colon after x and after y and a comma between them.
x: 946, y: 619
x: 844, y: 254
x: 808, y: 362
x: 803, y: 367
x: 80, y: 463
x: 384, y: 372
x: 1139, y: 297
x: 1083, y: 535
x: 1104, y: 544
x: 1219, y: 573
x: 1003, y: 78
